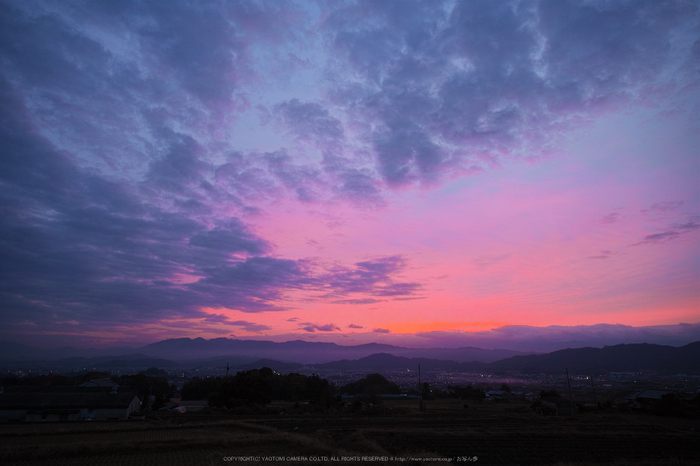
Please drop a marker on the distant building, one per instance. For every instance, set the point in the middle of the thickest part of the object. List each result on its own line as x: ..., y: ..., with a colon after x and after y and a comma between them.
x: 498, y: 395
x: 52, y: 404
x: 646, y: 396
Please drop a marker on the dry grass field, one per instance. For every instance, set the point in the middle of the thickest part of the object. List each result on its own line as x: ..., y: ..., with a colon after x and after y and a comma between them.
x: 493, y: 433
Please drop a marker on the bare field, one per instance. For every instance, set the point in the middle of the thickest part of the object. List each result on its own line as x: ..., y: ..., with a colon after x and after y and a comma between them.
x: 493, y: 433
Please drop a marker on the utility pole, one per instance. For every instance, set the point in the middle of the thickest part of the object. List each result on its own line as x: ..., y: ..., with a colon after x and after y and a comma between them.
x: 227, y: 368
x: 568, y: 385
x: 421, y: 403
x: 420, y: 392
x: 593, y: 387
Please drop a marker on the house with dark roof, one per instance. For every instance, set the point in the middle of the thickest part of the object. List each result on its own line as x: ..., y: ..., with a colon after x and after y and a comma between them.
x: 645, y: 398
x: 647, y: 395
x: 52, y: 404
x: 99, y: 383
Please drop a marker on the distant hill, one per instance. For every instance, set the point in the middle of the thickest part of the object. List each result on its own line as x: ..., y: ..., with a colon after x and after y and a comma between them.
x: 309, y: 352
x: 620, y: 358
x: 17, y: 352
x: 199, y: 348
x: 111, y: 362
x: 282, y: 367
x: 293, y: 355
x: 385, y: 361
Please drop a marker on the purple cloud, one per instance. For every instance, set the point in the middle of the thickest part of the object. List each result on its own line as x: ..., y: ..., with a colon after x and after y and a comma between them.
x: 247, y: 326
x: 660, y: 237
x: 311, y: 328
x: 662, y: 208
x: 555, y: 337
x: 673, y: 233
x: 611, y: 218
x: 603, y: 255
x: 357, y: 301
x: 440, y: 84
x: 142, y: 141
x: 311, y: 120
x: 112, y: 254
x: 373, y: 277
x: 688, y: 226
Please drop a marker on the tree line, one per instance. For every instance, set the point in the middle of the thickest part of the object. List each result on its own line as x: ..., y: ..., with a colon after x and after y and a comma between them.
x: 258, y: 386
x: 146, y: 383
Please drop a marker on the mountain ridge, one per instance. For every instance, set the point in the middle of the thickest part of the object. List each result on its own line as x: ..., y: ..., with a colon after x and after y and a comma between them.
x: 623, y: 357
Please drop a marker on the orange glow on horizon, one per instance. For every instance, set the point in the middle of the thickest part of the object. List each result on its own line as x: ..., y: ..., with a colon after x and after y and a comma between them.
x: 418, y: 327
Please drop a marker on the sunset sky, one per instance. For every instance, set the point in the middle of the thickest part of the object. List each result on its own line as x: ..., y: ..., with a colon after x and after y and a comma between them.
x: 414, y: 173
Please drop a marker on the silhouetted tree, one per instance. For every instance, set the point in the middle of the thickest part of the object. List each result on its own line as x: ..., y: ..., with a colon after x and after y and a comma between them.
x: 200, y: 389
x: 144, y: 384
x: 158, y: 402
x: 373, y: 384
x: 251, y: 386
x: 426, y: 392
x: 45, y: 380
x: 258, y: 387
x: 468, y: 392
x: 154, y: 372
x: 544, y: 394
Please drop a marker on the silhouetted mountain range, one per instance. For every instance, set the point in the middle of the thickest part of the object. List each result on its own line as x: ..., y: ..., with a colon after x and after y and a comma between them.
x: 384, y: 361
x: 309, y: 352
x: 292, y: 356
x: 620, y: 358
x: 623, y: 358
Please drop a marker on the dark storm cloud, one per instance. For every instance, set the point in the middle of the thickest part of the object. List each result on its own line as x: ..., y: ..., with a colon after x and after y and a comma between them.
x: 444, y: 87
